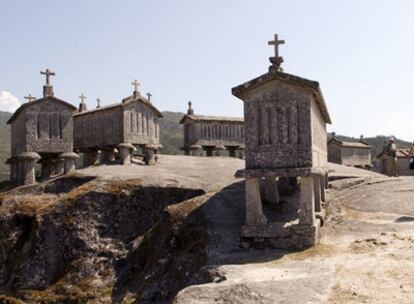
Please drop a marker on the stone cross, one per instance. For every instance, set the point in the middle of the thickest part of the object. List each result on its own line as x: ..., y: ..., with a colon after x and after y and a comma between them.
x: 136, y: 85
x: 29, y: 97
x: 98, y: 102
x: 189, y: 105
x: 190, y: 110
x: 149, y: 96
x: 82, y: 98
x: 276, y: 42
x: 48, y: 73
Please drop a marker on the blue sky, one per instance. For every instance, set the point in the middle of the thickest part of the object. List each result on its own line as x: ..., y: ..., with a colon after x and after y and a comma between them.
x: 361, y: 52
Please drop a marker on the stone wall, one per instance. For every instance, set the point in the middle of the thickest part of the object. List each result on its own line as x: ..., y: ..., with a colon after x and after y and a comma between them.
x: 278, y: 126
x: 319, y: 136
x: 98, y: 128
x: 44, y: 127
x: 214, y: 133
x: 141, y: 126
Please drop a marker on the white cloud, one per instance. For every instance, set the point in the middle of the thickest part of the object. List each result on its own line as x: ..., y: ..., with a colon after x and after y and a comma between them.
x: 8, y: 102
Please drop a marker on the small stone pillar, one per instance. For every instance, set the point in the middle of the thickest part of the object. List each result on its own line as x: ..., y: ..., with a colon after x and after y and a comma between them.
x: 241, y: 152
x: 69, y: 161
x: 220, y: 150
x: 271, y: 191
x: 46, y: 169
x: 90, y: 157
x: 196, y: 150
x: 27, y: 162
x: 322, y: 184
x: 317, y: 190
x: 60, y: 168
x: 149, y: 154
x: 307, y: 201
x: 12, y: 163
x: 254, y: 210
x: 108, y: 155
x: 125, y: 151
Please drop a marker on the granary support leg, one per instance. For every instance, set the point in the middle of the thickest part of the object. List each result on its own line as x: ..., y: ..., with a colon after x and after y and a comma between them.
x: 307, y: 201
x: 108, y: 155
x: 322, y: 185
x: 125, y: 151
x: 317, y: 191
x: 28, y: 162
x: 196, y: 150
x: 220, y: 151
x: 149, y: 154
x: 241, y: 152
x: 69, y: 159
x: 271, y: 191
x: 46, y: 170
x: 60, y: 166
x: 254, y: 210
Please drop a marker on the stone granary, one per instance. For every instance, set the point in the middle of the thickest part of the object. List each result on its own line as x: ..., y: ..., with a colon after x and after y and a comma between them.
x: 212, y: 135
x: 355, y: 154
x: 403, y: 162
x: 101, y: 132
x: 285, y: 137
x: 42, y: 131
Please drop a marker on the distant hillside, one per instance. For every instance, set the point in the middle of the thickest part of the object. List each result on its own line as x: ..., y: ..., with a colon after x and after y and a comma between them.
x: 377, y: 143
x: 4, y: 144
x: 171, y: 132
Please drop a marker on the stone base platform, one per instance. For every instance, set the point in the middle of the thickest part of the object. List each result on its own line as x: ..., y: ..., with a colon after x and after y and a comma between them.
x: 290, y: 235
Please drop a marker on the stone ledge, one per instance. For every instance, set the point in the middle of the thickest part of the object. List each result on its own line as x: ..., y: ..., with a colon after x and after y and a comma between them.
x: 280, y: 172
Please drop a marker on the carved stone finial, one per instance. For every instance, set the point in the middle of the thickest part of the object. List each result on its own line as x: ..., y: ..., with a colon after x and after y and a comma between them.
x: 98, y: 103
x: 82, y: 105
x: 47, y: 88
x: 190, y: 110
x: 149, y: 96
x: 29, y: 97
x: 277, y: 60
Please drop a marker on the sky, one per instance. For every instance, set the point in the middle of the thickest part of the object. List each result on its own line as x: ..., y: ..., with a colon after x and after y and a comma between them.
x: 361, y: 53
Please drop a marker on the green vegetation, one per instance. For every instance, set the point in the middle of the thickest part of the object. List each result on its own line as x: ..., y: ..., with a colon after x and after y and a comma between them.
x: 171, y: 132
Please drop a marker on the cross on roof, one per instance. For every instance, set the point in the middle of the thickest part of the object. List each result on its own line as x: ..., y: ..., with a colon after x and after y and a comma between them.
x: 82, y: 98
x: 149, y: 96
x: 29, y: 97
x: 98, y: 102
x: 276, y: 42
x: 48, y: 73
x: 136, y: 85
x: 189, y: 105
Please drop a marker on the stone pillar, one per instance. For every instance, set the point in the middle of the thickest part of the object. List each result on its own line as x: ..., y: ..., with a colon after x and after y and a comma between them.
x: 149, y: 153
x: 322, y: 184
x: 317, y: 191
x: 125, y: 151
x: 220, y: 151
x: 196, y: 150
x: 254, y: 210
x: 271, y: 191
x: 27, y: 162
x: 46, y: 171
x: 69, y: 161
x: 60, y: 168
x: 108, y: 155
x: 307, y: 201
x: 241, y: 152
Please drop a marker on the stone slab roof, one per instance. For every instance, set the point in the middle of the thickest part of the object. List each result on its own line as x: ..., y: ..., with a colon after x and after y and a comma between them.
x: 212, y: 118
x: 40, y: 100
x: 240, y: 90
x: 124, y: 102
x: 349, y: 144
